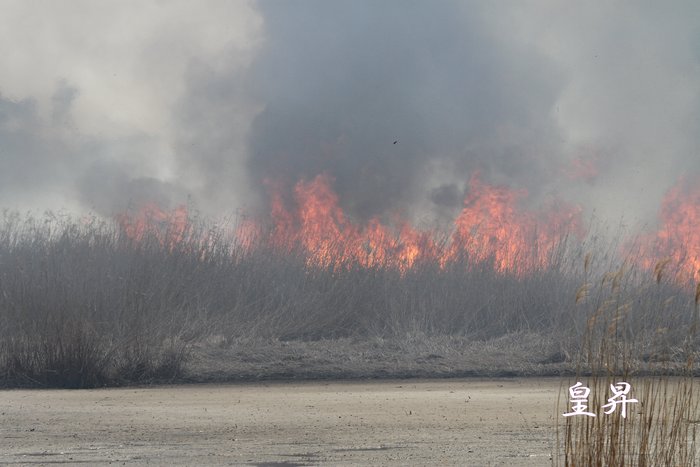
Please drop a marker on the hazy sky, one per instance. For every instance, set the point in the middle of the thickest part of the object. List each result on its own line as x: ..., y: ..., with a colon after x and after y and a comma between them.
x: 104, y: 104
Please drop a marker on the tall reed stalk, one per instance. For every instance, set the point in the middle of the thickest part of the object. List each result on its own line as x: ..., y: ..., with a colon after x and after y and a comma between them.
x: 658, y: 430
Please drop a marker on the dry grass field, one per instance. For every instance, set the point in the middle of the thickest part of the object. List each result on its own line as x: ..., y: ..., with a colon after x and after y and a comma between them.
x: 82, y: 305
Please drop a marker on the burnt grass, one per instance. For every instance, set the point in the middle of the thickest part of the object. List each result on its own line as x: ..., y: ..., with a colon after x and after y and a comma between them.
x: 84, y: 305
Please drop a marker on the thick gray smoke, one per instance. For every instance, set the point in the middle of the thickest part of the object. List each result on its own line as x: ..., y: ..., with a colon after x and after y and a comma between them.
x: 399, y: 101
x: 95, y: 102
x: 385, y: 95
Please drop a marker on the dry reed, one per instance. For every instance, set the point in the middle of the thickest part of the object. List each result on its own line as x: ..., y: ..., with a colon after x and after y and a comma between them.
x: 660, y: 428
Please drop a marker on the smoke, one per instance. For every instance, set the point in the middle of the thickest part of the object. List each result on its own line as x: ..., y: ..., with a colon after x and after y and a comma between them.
x: 92, y: 93
x: 631, y: 98
x: 387, y: 96
x: 110, y: 105
x: 35, y: 153
x: 596, y: 106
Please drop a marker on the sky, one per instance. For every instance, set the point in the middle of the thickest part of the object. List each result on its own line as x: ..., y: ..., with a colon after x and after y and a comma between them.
x: 106, y: 105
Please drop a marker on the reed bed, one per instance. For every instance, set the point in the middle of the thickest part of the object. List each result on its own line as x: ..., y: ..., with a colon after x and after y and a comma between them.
x: 84, y: 304
x: 660, y: 423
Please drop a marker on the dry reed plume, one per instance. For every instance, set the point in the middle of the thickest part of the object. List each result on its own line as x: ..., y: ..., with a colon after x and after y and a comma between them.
x: 659, y: 429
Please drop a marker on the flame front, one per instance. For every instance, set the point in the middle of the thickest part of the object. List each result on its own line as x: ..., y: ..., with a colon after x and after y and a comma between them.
x: 490, y: 227
x: 677, y: 241
x: 320, y: 226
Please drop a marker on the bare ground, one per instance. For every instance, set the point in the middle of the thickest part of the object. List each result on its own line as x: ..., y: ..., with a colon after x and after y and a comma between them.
x: 458, y: 422
x: 416, y: 356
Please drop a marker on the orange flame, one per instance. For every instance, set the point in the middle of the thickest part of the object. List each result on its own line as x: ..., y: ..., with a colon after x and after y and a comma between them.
x: 489, y: 228
x: 169, y: 227
x: 320, y: 226
x: 678, y: 236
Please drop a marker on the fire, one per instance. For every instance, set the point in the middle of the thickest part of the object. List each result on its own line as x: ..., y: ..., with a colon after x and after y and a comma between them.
x: 677, y: 240
x: 320, y: 226
x: 323, y: 228
x: 490, y: 227
x: 169, y: 227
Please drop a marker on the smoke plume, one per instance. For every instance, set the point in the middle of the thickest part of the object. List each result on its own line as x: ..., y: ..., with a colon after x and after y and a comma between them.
x: 399, y: 102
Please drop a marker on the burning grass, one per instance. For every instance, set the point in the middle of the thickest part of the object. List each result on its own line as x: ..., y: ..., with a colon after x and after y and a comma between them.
x: 160, y: 296
x: 86, y: 303
x: 491, y: 229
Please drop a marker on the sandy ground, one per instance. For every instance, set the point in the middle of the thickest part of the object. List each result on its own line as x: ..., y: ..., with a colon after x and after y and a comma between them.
x: 410, y: 422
